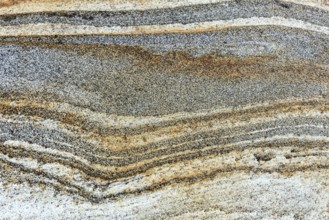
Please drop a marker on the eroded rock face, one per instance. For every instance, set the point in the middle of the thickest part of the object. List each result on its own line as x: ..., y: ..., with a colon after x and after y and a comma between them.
x: 157, y: 109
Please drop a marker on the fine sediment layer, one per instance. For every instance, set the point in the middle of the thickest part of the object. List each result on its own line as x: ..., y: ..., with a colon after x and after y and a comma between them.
x: 144, y: 110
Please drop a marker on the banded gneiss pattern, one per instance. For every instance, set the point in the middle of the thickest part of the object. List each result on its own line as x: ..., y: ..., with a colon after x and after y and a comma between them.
x: 151, y: 109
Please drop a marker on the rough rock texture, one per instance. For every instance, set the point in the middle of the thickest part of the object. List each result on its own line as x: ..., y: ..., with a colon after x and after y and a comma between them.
x: 140, y: 109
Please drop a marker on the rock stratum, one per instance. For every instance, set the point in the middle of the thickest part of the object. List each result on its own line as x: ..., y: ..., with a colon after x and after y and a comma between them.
x: 143, y: 109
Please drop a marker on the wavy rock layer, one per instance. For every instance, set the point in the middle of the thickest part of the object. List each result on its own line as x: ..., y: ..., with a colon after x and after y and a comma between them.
x: 137, y: 110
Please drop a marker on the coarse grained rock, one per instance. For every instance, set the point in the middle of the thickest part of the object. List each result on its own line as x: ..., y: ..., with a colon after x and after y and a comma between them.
x: 190, y: 109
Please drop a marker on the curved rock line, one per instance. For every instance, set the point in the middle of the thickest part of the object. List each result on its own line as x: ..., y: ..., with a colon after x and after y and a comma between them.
x: 187, y: 151
x: 44, y: 6
x: 145, y: 148
x: 172, y: 146
x: 93, y: 170
x: 41, y: 6
x: 108, y: 172
x: 222, y: 125
x: 39, y: 109
x: 173, y: 143
x: 289, y: 167
x: 183, y: 15
x: 225, y: 120
x: 274, y: 44
x: 76, y: 30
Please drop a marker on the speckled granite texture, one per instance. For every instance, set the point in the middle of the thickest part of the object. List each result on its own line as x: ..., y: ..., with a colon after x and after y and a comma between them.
x: 140, y: 109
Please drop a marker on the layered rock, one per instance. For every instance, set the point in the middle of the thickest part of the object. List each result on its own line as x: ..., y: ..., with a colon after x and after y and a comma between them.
x: 143, y: 109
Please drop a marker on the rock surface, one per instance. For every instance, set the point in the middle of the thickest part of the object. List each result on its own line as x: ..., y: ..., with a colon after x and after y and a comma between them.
x: 140, y: 109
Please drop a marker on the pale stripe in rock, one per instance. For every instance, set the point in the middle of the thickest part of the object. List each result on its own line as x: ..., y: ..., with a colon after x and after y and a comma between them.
x: 199, y: 165
x: 35, y: 148
x: 117, y: 5
x: 322, y: 4
x: 99, y: 5
x: 118, y: 121
x: 44, y: 29
x: 40, y: 149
